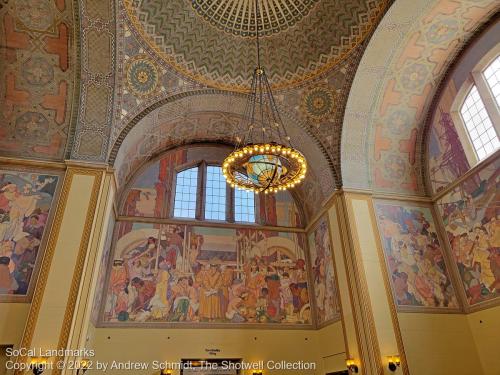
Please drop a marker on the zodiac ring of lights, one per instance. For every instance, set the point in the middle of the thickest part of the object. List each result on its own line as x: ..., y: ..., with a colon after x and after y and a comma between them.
x: 264, y: 168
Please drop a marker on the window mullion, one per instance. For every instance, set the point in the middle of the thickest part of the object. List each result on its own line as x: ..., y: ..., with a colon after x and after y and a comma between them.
x: 489, y: 101
x: 230, y: 204
x: 200, y: 201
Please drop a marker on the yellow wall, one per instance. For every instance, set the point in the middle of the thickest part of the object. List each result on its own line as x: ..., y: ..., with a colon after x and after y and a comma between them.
x: 439, y: 344
x: 331, y: 348
x: 485, y: 329
x: 171, y: 345
x: 12, y: 320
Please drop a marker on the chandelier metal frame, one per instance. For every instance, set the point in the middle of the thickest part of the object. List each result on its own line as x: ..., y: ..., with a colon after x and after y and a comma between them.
x: 262, y: 138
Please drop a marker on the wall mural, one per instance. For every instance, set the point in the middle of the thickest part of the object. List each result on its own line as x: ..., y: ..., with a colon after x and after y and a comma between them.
x: 323, y: 274
x: 191, y: 274
x: 25, y: 206
x: 414, y: 257
x: 471, y: 216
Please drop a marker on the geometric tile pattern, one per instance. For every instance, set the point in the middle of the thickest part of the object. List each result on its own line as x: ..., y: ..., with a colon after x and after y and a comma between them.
x: 96, y: 103
x: 238, y: 17
x: 182, y: 38
x: 38, y: 65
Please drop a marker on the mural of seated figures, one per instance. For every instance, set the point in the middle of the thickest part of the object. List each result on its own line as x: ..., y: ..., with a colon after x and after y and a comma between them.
x: 163, y: 273
x: 471, y: 216
x: 415, y: 261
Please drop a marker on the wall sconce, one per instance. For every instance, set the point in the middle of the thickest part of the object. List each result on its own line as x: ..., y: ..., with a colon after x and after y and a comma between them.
x: 84, y: 366
x: 351, y: 365
x: 166, y: 372
x: 38, y: 364
x: 394, y: 362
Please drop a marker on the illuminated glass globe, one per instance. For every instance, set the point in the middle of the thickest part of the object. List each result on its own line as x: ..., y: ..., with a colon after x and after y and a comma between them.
x: 263, y: 170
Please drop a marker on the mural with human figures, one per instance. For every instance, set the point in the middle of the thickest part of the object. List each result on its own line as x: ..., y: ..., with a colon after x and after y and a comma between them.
x: 414, y: 257
x: 471, y: 216
x: 323, y: 274
x: 26, y: 199
x: 164, y: 273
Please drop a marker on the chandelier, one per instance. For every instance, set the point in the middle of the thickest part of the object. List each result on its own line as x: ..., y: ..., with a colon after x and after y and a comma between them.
x: 264, y: 159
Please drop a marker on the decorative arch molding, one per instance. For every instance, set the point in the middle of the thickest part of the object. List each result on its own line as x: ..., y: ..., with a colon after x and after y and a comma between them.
x: 212, y: 104
x: 393, y: 87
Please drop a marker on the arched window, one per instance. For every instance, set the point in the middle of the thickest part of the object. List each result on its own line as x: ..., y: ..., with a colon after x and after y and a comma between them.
x: 187, y: 183
x: 479, y: 110
x: 186, y: 187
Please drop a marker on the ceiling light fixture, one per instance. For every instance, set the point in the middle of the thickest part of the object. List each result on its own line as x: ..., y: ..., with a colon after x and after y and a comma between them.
x: 264, y: 159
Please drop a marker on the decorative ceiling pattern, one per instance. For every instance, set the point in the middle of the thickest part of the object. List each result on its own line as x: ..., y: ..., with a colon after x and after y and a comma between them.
x: 91, y: 139
x: 175, y: 31
x: 238, y: 16
x: 38, y: 70
x: 393, y: 89
x: 317, y: 104
x: 208, y: 116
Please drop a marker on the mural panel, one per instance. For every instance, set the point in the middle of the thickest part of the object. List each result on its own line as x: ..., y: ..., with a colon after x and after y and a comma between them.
x: 323, y: 274
x: 203, y: 275
x: 471, y: 214
x: 25, y: 206
x: 414, y: 257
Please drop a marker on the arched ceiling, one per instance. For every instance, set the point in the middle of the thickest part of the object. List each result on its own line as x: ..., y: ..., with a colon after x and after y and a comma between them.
x: 213, y: 42
x: 209, y: 116
x: 148, y: 52
x: 394, y: 86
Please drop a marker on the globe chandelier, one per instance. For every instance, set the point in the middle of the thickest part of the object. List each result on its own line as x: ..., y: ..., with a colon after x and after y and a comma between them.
x: 264, y: 159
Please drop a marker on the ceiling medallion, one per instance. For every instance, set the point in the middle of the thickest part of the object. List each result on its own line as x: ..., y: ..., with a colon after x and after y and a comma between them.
x: 264, y: 159
x: 318, y: 103
x: 142, y: 75
x: 238, y: 16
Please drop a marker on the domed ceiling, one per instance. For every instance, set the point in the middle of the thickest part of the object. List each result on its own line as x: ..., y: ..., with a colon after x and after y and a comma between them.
x: 213, y: 41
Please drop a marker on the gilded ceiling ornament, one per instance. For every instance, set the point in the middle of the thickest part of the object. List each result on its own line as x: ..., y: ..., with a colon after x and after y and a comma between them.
x: 238, y: 17
x: 142, y: 75
x: 318, y: 103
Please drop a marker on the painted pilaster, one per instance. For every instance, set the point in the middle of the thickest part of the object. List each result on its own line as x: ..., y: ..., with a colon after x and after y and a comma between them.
x: 369, y: 315
x: 56, y: 316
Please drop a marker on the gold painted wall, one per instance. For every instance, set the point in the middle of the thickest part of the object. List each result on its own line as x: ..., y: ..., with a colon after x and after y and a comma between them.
x: 485, y: 329
x: 12, y: 320
x: 439, y: 344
